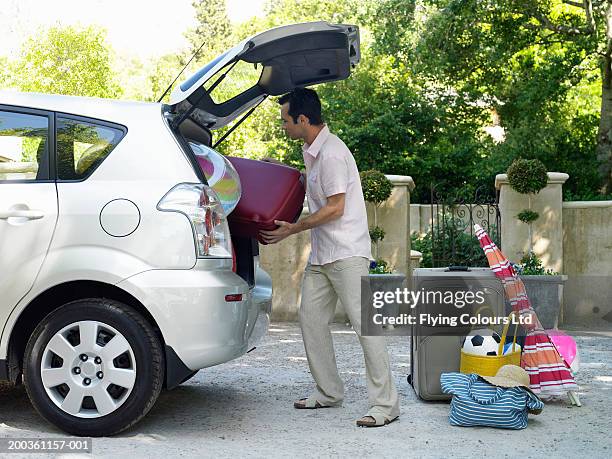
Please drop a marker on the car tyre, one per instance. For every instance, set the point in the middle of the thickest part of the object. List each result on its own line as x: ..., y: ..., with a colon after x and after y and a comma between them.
x: 142, y: 362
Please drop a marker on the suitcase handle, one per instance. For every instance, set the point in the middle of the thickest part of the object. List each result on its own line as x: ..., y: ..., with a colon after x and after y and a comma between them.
x: 457, y: 268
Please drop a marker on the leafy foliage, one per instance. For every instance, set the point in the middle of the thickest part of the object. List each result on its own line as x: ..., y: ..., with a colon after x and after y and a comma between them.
x: 377, y: 234
x: 380, y: 267
x: 165, y: 70
x: 376, y: 187
x: 528, y: 216
x: 67, y: 60
x: 5, y: 74
x: 450, y: 244
x: 213, y: 29
x: 527, y: 176
x: 531, y: 265
x: 435, y: 77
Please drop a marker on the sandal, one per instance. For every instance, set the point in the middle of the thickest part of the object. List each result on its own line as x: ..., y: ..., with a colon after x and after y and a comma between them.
x: 308, y: 404
x: 377, y: 420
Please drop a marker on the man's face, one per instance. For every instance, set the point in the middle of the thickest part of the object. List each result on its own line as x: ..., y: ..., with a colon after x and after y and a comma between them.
x: 293, y: 130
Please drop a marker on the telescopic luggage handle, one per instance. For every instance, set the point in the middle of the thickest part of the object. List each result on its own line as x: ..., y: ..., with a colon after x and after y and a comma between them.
x: 457, y: 268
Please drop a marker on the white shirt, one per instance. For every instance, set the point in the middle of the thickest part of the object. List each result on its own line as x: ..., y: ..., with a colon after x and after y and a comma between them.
x: 331, y: 169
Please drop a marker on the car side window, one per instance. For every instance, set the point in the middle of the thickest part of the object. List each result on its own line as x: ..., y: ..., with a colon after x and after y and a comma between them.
x: 82, y: 146
x: 24, y: 147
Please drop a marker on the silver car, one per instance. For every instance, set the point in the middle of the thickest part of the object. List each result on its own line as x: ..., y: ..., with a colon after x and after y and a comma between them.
x: 118, y: 271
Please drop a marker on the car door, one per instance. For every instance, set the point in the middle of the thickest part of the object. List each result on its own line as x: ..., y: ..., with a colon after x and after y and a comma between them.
x: 28, y: 201
x: 281, y: 59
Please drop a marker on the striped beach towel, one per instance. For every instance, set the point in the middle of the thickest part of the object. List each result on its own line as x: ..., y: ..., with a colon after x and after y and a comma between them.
x: 549, y: 374
x: 475, y: 402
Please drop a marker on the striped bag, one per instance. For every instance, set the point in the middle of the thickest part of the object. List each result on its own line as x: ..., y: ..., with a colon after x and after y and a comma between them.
x: 475, y: 402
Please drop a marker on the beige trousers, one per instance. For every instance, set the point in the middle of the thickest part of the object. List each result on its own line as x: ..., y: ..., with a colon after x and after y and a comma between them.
x: 323, y: 285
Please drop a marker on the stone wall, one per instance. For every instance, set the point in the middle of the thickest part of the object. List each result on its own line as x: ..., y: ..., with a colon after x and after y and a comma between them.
x: 587, y: 260
x: 547, y: 230
x: 574, y: 238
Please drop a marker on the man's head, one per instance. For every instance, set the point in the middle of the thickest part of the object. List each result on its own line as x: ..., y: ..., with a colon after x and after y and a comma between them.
x: 301, y: 112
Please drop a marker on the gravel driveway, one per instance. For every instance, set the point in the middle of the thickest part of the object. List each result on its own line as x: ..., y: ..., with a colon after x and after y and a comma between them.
x: 244, y: 408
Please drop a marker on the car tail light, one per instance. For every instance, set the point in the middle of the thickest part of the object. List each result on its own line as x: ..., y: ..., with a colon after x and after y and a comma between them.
x: 235, y: 297
x: 201, y: 205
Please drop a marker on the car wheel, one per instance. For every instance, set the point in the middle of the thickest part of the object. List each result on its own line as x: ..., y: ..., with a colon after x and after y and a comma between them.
x: 93, y: 367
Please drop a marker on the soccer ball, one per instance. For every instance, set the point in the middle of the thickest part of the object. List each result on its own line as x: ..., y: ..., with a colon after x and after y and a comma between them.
x: 481, y: 342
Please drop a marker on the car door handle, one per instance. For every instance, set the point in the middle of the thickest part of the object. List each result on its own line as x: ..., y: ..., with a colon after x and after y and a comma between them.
x: 28, y: 214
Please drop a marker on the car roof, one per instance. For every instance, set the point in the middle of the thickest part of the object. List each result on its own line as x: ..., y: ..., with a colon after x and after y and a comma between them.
x: 118, y: 111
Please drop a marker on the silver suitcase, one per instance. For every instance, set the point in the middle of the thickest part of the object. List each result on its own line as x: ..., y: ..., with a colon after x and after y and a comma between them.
x: 433, y: 350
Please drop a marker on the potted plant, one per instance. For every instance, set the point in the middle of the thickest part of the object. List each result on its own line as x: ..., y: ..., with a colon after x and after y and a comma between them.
x: 544, y: 286
x: 376, y: 190
x: 527, y: 176
x: 544, y: 289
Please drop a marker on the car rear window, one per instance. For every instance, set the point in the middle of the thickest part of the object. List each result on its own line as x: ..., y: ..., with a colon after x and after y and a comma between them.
x: 82, y: 146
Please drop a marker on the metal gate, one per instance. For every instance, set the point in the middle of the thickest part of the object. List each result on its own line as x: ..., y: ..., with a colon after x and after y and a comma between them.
x: 453, y: 216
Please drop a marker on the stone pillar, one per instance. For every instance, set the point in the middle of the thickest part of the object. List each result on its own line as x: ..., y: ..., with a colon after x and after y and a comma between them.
x: 394, y: 218
x: 415, y: 260
x: 547, y: 231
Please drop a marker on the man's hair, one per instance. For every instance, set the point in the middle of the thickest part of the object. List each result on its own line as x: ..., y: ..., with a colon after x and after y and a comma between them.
x: 305, y: 102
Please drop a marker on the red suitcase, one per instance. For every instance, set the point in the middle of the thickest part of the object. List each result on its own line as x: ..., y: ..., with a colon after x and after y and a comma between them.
x: 269, y: 192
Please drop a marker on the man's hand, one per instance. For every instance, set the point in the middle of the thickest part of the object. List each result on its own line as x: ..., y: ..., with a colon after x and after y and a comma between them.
x: 332, y: 210
x: 284, y: 230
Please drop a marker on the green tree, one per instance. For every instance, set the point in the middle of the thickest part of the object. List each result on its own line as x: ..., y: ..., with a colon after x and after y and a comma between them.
x: 67, y: 60
x: 408, y: 130
x: 261, y: 135
x: 437, y: 70
x: 164, y: 71
x: 4, y: 72
x: 283, y: 12
x: 213, y: 29
x: 525, y: 57
x: 133, y: 76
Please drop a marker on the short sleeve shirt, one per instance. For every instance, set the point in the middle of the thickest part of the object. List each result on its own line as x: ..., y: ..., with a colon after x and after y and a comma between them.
x: 331, y: 170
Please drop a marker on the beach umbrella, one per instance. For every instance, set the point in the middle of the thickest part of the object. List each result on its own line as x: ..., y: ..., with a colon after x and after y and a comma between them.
x: 548, y: 372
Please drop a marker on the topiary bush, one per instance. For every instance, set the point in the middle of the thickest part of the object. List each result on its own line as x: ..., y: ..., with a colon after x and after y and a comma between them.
x: 527, y: 176
x: 376, y: 187
x: 528, y: 216
x: 377, y: 234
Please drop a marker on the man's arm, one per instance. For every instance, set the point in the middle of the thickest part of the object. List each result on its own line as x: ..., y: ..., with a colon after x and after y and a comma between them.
x: 332, y: 210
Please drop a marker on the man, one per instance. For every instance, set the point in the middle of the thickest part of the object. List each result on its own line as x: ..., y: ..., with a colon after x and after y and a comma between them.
x: 339, y: 256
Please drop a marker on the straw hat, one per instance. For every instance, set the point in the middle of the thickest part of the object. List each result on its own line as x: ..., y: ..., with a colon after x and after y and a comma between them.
x: 511, y: 376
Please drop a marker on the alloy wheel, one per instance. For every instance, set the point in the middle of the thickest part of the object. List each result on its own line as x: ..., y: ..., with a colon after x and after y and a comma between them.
x: 88, y: 369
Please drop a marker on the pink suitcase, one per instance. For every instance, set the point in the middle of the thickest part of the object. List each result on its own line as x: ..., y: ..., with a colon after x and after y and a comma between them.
x: 269, y: 192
